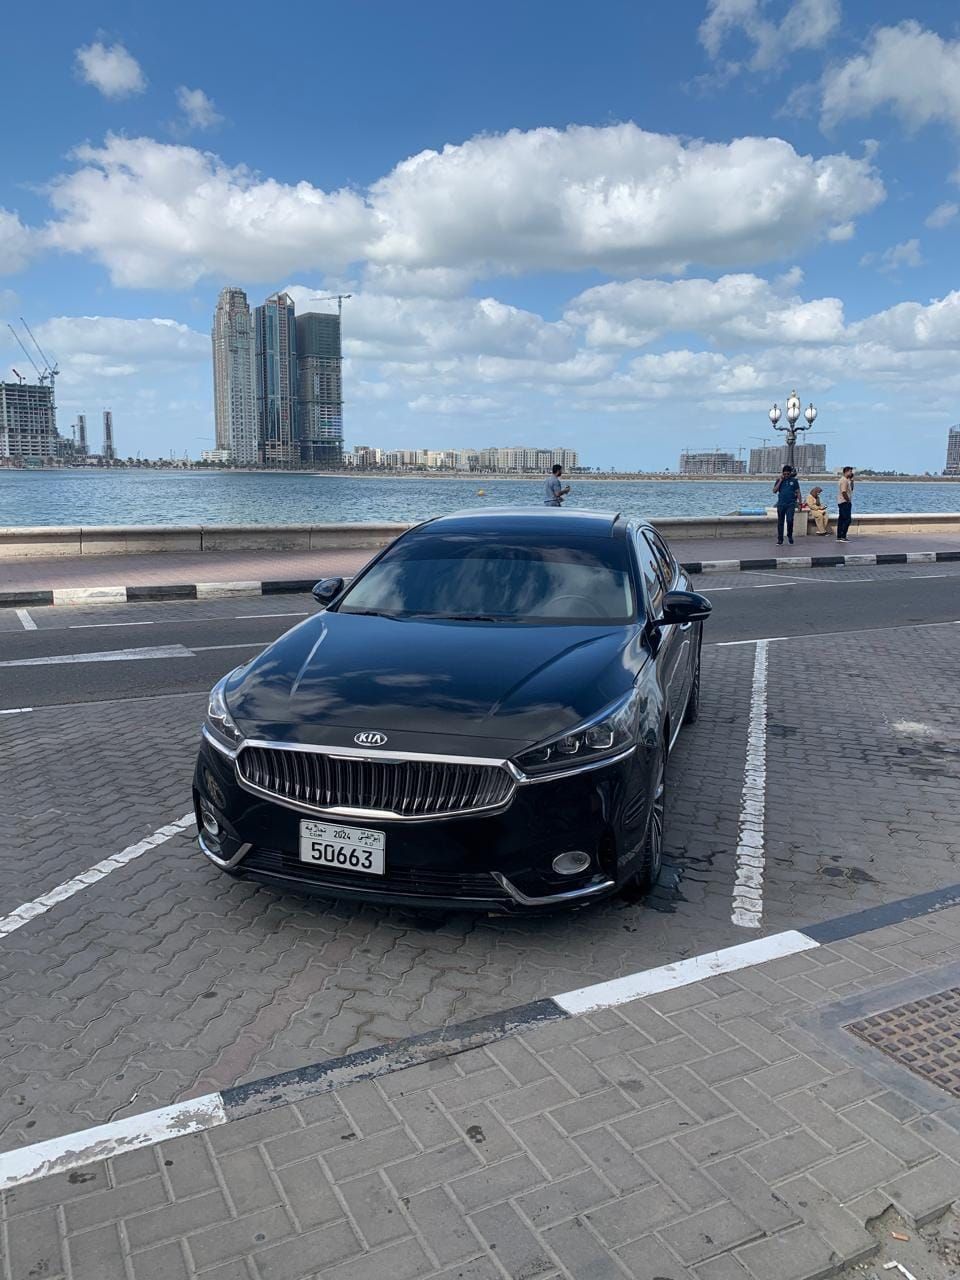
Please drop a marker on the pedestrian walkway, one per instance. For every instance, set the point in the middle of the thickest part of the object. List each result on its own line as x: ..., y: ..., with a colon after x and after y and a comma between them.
x: 731, y: 1128
x: 286, y: 569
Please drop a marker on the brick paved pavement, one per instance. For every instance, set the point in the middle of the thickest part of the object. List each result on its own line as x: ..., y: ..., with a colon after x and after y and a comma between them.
x: 722, y: 1131
x: 167, y: 979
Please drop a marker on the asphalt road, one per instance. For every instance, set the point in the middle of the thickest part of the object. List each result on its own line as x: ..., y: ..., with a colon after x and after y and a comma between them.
x: 89, y: 655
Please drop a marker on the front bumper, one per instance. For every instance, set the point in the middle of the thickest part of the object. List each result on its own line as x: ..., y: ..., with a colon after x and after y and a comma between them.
x: 499, y: 861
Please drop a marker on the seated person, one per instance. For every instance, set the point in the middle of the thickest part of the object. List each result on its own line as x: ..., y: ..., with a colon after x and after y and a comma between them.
x: 819, y: 512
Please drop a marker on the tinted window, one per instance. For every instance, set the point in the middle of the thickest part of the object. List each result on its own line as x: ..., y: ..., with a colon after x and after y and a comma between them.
x: 651, y: 574
x: 585, y: 580
x: 668, y: 566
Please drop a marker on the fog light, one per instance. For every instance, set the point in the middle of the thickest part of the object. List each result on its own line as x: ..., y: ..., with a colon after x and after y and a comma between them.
x: 572, y: 863
x: 210, y: 825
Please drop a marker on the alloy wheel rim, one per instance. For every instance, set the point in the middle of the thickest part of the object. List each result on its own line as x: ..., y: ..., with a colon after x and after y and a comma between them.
x: 656, y: 823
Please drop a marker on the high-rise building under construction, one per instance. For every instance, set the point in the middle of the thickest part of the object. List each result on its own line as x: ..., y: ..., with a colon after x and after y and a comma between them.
x: 319, y: 389
x: 234, y: 381
x: 109, y: 453
x: 276, y: 379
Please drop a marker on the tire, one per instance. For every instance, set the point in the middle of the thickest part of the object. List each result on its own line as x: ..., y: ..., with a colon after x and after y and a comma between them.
x: 692, y: 712
x: 652, y: 865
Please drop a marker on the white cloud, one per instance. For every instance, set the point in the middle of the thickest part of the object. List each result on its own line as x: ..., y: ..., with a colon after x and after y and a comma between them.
x: 912, y: 71
x: 617, y: 199
x: 198, y: 110
x: 942, y: 215
x: 112, y: 70
x: 17, y: 243
x: 905, y: 254
x: 159, y: 215
x: 844, y: 231
x: 109, y: 346
x: 739, y: 308
x: 807, y: 24
x: 454, y: 405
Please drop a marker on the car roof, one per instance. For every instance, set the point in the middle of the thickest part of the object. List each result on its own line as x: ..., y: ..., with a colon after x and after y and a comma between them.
x: 528, y: 520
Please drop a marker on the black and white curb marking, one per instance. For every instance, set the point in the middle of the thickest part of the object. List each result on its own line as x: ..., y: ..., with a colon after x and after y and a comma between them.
x: 59, y: 1155
x: 289, y: 586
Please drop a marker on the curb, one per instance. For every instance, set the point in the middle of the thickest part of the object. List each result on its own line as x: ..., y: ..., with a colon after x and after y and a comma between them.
x: 58, y: 1155
x: 221, y: 590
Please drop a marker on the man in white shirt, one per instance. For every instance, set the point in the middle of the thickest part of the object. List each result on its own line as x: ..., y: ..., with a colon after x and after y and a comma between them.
x: 844, y: 503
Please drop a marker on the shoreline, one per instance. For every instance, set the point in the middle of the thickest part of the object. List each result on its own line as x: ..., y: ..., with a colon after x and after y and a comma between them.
x: 526, y: 477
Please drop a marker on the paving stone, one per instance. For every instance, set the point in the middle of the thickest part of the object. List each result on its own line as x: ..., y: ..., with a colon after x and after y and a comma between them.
x: 896, y: 1137
x: 308, y: 1194
x: 564, y: 1198
x: 785, y: 1077
x: 58, y: 1189
x: 432, y: 1168
x: 551, y: 1149
x: 843, y: 1230
x: 374, y: 1210
x: 367, y: 1154
x: 472, y: 1089
x: 672, y: 1167
x: 857, y: 1170
x: 248, y: 1180
x: 731, y: 1064
x: 829, y: 1126
x: 366, y: 1108
x: 302, y: 1255
x: 926, y: 1191
x: 516, y: 1059
x: 239, y: 1238
x: 586, y: 1113
x: 782, y: 1157
x: 574, y: 1070
x: 654, y: 1123
x: 726, y: 1267
x: 107, y: 1206
x: 96, y: 1253
x: 517, y: 1104
x: 425, y: 1119
x: 496, y: 1182
x: 632, y: 1216
x: 719, y: 1138
x: 712, y: 1231
x: 581, y: 1253
x: 257, y: 1128
x: 492, y: 1139
x: 751, y: 1194
x: 163, y: 1262
x: 443, y: 1226
x: 797, y: 1254
x: 617, y: 1163
x: 703, y: 1101
x: 130, y: 1166
x: 650, y: 1259
x: 174, y: 1221
x: 519, y: 1251
x: 187, y: 1167
x: 305, y: 1144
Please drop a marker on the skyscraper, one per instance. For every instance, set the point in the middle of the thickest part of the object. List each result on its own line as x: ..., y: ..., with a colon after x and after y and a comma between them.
x: 234, y: 382
x: 319, y: 389
x: 810, y: 459
x: 953, y: 452
x: 82, y: 434
x: 109, y: 452
x: 276, y: 379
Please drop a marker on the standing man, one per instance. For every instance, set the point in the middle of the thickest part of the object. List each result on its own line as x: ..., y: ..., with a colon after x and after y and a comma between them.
x: 553, y: 491
x: 787, y: 489
x: 844, y: 503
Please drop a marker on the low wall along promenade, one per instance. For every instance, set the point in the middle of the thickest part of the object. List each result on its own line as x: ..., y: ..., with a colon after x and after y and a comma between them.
x: 92, y: 540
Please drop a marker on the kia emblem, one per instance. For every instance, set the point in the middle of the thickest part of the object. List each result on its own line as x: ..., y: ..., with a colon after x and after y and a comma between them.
x: 370, y: 739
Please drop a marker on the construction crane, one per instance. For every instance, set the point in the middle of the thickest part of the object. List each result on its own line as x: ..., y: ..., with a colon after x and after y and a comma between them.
x: 42, y: 377
x: 338, y: 298
x: 19, y: 376
x: 50, y: 370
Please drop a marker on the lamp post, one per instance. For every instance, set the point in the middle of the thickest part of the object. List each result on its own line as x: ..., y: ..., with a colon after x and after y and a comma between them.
x: 793, y: 418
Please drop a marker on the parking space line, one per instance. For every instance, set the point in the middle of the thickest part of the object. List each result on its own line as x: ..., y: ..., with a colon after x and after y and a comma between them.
x: 304, y: 614
x: 14, y: 711
x: 748, y: 885
x: 830, y: 635
x: 28, y: 622
x: 39, y: 906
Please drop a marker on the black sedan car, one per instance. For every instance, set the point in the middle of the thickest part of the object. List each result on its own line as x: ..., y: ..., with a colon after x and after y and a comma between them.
x: 481, y: 719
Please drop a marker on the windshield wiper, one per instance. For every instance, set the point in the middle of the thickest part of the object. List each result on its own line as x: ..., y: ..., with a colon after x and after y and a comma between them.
x: 462, y: 617
x: 369, y: 613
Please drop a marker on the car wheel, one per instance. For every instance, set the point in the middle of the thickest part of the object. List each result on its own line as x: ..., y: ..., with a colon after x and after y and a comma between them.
x: 692, y: 713
x: 649, y: 872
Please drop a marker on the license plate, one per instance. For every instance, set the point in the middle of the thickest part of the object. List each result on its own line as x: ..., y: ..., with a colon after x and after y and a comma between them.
x: 325, y: 844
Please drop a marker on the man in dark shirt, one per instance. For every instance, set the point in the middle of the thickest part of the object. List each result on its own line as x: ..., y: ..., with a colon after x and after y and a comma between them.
x: 787, y: 489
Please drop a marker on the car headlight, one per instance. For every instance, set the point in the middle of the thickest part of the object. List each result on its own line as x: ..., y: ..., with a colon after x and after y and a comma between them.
x: 607, y: 734
x: 220, y: 723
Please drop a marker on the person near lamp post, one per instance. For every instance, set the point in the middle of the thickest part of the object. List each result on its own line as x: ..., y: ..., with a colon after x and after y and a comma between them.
x: 787, y: 489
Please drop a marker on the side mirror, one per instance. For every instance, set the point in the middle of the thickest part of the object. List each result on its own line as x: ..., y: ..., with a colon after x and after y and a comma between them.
x: 327, y: 589
x: 683, y: 606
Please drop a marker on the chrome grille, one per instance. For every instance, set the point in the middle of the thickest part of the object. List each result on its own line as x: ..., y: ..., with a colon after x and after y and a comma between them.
x: 407, y: 788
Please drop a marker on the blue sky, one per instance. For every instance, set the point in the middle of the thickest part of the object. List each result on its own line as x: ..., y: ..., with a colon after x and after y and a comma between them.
x: 627, y: 228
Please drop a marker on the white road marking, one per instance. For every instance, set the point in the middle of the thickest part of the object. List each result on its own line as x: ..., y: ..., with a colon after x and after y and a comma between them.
x: 57, y: 1155
x: 103, y: 655
x: 602, y: 995
x: 748, y: 884
x: 86, y: 626
x: 15, y: 711
x: 210, y: 648
x: 829, y: 635
x: 28, y: 622
x: 39, y: 906
x: 274, y: 615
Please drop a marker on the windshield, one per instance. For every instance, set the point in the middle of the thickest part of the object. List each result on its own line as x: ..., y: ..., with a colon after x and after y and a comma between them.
x: 501, y: 579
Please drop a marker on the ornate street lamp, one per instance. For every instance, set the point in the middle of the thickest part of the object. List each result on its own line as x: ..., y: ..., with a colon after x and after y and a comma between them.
x: 793, y: 417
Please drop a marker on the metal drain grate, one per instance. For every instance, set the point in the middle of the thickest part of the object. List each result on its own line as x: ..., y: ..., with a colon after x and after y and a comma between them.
x: 923, y: 1035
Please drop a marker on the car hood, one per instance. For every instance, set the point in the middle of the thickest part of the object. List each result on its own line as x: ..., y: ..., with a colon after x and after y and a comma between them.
x: 338, y: 674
